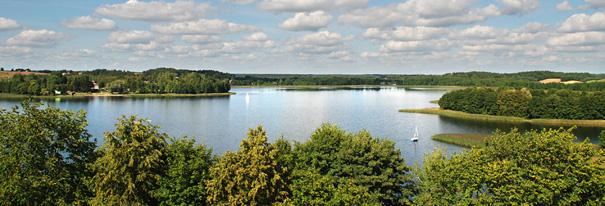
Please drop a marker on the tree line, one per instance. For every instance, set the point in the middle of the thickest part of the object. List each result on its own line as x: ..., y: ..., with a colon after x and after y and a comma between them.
x: 158, y: 81
x: 48, y: 158
x: 527, y: 103
x: 475, y: 79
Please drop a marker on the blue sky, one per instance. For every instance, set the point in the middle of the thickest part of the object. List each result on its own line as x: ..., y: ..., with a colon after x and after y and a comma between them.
x: 305, y: 36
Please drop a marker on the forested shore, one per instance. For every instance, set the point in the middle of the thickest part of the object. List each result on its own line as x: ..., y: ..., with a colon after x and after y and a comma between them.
x: 531, y: 79
x: 527, y: 103
x: 177, y: 81
x: 154, y: 81
x: 47, y: 157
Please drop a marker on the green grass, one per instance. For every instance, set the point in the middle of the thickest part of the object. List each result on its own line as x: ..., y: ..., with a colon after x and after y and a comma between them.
x: 463, y: 140
x: 506, y: 119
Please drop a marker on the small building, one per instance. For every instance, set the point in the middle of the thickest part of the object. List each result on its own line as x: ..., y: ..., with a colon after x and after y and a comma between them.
x: 551, y: 81
x: 57, y: 92
x: 95, y: 86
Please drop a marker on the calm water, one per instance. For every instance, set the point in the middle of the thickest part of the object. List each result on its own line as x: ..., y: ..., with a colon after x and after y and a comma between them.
x: 221, y: 122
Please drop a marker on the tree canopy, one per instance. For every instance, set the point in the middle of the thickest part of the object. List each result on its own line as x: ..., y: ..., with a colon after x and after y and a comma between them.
x: 44, y: 154
x: 534, y: 168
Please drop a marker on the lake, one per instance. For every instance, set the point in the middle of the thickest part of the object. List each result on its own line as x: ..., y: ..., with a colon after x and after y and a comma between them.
x: 222, y: 122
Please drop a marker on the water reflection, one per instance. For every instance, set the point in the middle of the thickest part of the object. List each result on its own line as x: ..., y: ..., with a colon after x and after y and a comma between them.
x: 221, y: 122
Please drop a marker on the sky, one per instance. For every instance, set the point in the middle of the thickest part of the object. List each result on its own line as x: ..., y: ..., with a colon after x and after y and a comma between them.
x: 305, y: 36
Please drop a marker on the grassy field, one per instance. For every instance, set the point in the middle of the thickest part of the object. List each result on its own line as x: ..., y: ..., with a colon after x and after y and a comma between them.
x: 106, y: 94
x: 463, y: 140
x: 9, y: 74
x: 506, y: 119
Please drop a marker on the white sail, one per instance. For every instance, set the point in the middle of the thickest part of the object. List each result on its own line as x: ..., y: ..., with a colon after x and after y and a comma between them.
x: 415, y: 137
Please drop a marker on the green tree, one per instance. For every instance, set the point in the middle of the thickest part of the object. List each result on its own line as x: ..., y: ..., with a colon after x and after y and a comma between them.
x: 533, y: 168
x: 43, y: 156
x: 184, y: 181
x: 334, y: 166
x: 250, y: 176
x: 131, y: 164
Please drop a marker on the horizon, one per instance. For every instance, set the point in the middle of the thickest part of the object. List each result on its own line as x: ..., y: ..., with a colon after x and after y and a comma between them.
x: 294, y: 37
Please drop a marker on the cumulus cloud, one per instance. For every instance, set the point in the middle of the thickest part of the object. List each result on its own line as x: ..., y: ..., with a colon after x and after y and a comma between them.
x: 307, y: 21
x: 320, y: 43
x: 479, y: 32
x: 180, y: 10
x: 241, y: 1
x: 578, y: 39
x: 519, y: 7
x: 88, y: 22
x: 564, y: 6
x: 584, y: 22
x: 8, y: 51
x: 202, y: 26
x: 8, y: 24
x: 201, y: 39
x: 436, y: 13
x: 313, y: 5
x: 596, y: 3
x: 405, y: 33
x: 415, y: 46
x: 36, y: 38
x: 136, y: 40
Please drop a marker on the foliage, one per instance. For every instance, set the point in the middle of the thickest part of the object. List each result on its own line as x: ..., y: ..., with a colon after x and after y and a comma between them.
x: 250, y: 176
x: 534, y: 104
x: 130, y: 165
x: 161, y: 80
x: 534, y: 168
x: 472, y: 79
x: 187, y: 169
x: 336, y: 167
x: 43, y: 156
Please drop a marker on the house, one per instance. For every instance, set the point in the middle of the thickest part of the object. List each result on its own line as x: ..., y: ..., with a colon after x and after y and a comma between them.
x: 57, y: 92
x: 550, y: 81
x: 95, y: 86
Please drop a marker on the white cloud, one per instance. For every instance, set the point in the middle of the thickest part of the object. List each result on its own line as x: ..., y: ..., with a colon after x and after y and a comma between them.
x: 7, y: 51
x: 584, y: 22
x: 564, y: 6
x: 578, y: 39
x: 8, y: 24
x: 202, y: 26
x: 533, y: 27
x: 135, y: 36
x: 88, y: 22
x: 307, y: 21
x: 36, y: 38
x: 319, y: 43
x: 405, y: 33
x: 435, y: 13
x: 241, y: 1
x: 519, y: 7
x: 478, y: 32
x: 180, y: 10
x: 310, y: 5
x: 415, y: 46
x: 596, y: 3
x: 203, y: 39
x: 139, y: 41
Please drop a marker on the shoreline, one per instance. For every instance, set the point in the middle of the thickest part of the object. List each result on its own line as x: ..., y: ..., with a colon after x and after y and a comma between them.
x: 462, y: 140
x: 105, y: 94
x: 361, y: 86
x: 507, y: 119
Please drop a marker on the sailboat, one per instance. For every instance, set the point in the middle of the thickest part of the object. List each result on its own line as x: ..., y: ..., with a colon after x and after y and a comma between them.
x: 415, y: 137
